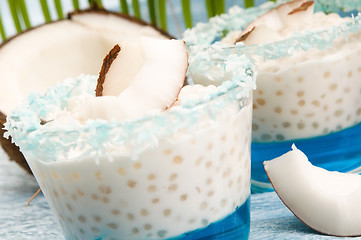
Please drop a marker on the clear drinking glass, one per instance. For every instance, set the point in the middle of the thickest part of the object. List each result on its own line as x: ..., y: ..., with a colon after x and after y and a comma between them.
x: 180, y: 174
x: 314, y: 102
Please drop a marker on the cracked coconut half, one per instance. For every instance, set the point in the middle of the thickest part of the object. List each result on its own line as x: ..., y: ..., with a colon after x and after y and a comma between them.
x: 328, y: 202
x: 38, y: 58
x: 136, y: 78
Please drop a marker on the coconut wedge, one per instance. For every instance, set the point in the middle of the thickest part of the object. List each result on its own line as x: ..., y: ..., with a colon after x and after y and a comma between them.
x: 328, y: 202
x: 265, y: 28
x: 38, y: 58
x: 137, y: 78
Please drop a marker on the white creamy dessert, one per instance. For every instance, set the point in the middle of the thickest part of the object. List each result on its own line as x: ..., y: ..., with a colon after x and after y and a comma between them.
x: 309, y: 93
x: 156, y: 176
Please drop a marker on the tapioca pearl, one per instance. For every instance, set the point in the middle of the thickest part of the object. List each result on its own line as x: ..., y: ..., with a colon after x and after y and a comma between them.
x: 151, y: 177
x: 152, y: 188
x: 279, y: 137
x: 112, y: 226
x: 286, y: 124
x: 95, y: 229
x: 275, y: 126
x: 223, y: 202
x: 54, y: 174
x: 98, y: 175
x: 147, y: 226
x: 300, y: 79
x: 315, y: 125
x: 254, y: 107
x: 294, y: 112
x: 137, y: 166
x: 183, y: 197
x: 310, y: 115
x: 266, y: 137
x: 97, y: 218
x: 81, y: 219
x: 210, y: 146
x: 261, y: 101
x: 155, y: 200
x: 81, y: 231
x: 115, y: 212
x: 339, y: 127
x: 162, y: 233
x: 209, y: 181
x: 131, y: 183
x: 95, y: 196
x: 210, y: 193
x: 278, y: 110
x: 167, y: 212
x: 167, y: 151
x: 333, y: 87
x: 75, y: 175
x: 177, y: 159
x: 63, y: 191
x: 135, y: 230
x: 359, y: 69
x: 130, y: 217
x: 69, y: 220
x: 338, y: 113
x: 56, y: 194
x: 105, y: 200
x: 173, y: 177
x: 255, y: 127
x: 199, y: 161
x: 74, y: 197
x: 105, y: 189
x: 349, y: 74
x: 230, y: 183
x: 301, y: 125
x: 326, y: 74
x: 172, y: 187
x: 325, y: 108
x: 301, y: 103
x: 316, y: 103
x: 300, y: 93
x: 227, y: 172
x: 144, y: 212
x: 278, y: 79
x: 203, y: 205
x: 279, y: 93
x: 346, y: 90
x: 224, y: 138
x: 208, y: 164
x: 121, y: 171
x: 358, y: 112
x: 80, y: 193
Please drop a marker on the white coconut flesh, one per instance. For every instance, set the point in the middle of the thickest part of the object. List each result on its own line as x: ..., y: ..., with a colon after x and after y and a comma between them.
x: 41, y: 57
x: 328, y: 202
x: 272, y: 26
x: 145, y: 76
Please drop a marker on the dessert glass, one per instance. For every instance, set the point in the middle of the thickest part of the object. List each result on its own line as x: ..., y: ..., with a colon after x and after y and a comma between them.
x: 179, y: 174
x: 312, y: 99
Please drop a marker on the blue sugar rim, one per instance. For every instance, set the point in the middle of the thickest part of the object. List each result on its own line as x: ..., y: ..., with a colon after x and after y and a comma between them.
x: 94, y: 137
x: 204, y: 35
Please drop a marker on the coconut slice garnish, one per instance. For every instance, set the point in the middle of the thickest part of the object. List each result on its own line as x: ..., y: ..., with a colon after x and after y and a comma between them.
x: 151, y: 84
x: 265, y: 28
x: 328, y: 202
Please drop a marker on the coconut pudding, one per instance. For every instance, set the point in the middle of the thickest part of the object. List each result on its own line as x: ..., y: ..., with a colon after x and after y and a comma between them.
x: 308, y: 84
x: 144, y: 157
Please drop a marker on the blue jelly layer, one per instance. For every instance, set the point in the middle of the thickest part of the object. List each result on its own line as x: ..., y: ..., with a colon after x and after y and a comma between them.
x: 339, y: 151
x: 234, y: 227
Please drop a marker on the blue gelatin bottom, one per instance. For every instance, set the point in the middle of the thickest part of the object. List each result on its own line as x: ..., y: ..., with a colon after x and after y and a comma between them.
x: 234, y: 227
x: 340, y: 151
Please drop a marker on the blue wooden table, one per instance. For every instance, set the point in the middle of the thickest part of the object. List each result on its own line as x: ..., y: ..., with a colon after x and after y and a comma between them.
x: 270, y: 219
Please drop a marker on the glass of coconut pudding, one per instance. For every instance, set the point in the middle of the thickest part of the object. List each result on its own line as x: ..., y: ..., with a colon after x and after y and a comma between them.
x: 158, y: 160
x: 308, y: 79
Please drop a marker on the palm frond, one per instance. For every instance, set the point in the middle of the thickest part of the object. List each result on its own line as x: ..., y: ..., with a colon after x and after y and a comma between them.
x: 187, y: 13
x: 45, y: 9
